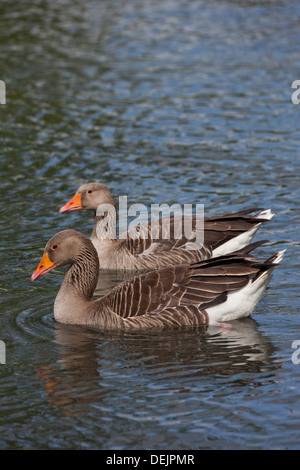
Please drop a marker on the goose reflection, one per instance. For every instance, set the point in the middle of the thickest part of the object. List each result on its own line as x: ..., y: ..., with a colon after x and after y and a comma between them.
x: 90, y: 360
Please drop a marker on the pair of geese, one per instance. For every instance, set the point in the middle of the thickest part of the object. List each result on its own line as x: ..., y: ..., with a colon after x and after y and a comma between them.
x: 221, y: 281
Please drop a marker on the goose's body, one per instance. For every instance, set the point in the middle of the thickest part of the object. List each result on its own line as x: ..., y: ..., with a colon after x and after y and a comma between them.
x: 149, y: 248
x: 208, y: 292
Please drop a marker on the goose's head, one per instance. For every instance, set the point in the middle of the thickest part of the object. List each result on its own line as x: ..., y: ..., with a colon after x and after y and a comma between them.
x: 89, y: 196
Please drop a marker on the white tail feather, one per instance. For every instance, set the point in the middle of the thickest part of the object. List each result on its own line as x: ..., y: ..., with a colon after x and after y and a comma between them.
x: 236, y: 243
x: 266, y: 214
x: 278, y: 257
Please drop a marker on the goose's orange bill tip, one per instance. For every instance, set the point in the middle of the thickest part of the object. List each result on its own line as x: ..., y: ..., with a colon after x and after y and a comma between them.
x: 73, y: 205
x: 43, y: 268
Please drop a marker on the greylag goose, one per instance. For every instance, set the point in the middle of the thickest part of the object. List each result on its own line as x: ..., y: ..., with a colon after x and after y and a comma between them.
x: 149, y: 249
x: 207, y: 292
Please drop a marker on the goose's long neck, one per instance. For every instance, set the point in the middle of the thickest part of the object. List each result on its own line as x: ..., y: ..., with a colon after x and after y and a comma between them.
x: 78, y: 286
x: 83, y: 274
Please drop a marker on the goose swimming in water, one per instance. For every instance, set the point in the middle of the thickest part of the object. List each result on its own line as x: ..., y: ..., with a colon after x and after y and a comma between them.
x: 204, y: 293
x: 150, y: 249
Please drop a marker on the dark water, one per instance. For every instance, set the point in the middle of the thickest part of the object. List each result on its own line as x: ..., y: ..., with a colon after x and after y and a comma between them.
x: 186, y: 101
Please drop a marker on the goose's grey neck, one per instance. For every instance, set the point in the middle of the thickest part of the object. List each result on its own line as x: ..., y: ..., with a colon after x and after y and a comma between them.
x: 78, y: 286
x: 82, y: 275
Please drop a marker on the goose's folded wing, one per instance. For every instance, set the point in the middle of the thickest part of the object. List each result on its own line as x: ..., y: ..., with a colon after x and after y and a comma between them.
x: 203, y: 284
x: 175, y: 232
x: 166, y: 238
x: 149, y: 292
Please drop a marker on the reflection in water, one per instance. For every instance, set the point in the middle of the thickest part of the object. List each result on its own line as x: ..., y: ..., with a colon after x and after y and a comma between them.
x: 73, y: 382
x: 89, y: 357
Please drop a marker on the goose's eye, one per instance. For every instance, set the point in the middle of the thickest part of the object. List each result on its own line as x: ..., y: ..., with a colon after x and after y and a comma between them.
x: 54, y: 247
x: 90, y: 191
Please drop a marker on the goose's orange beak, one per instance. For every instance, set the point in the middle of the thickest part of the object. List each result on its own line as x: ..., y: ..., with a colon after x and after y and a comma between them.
x: 73, y: 205
x: 44, y: 267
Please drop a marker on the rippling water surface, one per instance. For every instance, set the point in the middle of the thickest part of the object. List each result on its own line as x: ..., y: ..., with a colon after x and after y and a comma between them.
x: 164, y: 102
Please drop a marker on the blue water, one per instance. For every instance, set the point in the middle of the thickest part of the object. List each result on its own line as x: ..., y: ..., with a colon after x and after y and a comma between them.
x: 163, y: 102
